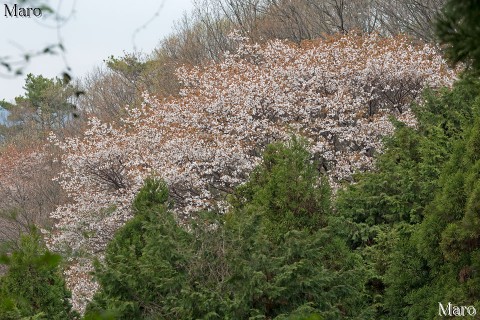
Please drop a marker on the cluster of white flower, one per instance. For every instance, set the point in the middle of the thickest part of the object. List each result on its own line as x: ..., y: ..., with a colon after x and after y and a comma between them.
x: 79, y: 281
x: 338, y: 93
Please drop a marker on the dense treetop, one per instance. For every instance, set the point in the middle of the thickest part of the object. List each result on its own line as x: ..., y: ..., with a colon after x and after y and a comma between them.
x: 337, y: 93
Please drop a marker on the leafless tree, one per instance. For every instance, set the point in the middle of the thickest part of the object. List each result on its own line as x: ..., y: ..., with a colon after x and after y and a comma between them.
x: 27, y: 194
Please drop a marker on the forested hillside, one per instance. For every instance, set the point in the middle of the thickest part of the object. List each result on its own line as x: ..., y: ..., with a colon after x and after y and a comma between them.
x: 270, y: 160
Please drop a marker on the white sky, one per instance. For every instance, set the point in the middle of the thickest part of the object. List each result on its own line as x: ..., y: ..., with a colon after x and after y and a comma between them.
x: 96, y: 30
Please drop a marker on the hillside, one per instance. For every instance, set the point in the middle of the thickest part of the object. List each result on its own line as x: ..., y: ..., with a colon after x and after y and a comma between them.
x: 326, y: 178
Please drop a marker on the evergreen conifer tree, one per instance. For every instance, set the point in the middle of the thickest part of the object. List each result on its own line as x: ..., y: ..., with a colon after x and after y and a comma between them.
x: 273, y: 255
x: 458, y: 28
x: 33, y: 287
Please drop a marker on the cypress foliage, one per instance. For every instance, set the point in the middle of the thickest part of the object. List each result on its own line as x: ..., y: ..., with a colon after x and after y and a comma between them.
x: 146, y: 263
x: 382, y: 211
x: 457, y: 27
x: 273, y: 256
x: 448, y: 240
x: 437, y: 260
x: 287, y: 189
x: 407, y: 173
x: 33, y: 287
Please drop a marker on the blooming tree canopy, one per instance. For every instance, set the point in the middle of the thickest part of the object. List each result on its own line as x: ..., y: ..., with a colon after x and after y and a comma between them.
x: 338, y: 93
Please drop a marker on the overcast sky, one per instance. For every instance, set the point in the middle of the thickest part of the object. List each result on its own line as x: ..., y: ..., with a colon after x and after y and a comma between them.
x: 96, y: 30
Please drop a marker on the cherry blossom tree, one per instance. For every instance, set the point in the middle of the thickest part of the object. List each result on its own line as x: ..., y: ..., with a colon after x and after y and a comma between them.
x: 338, y: 93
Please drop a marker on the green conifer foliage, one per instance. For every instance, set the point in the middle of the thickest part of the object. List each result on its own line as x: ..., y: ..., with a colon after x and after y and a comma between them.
x: 287, y: 189
x: 458, y: 28
x: 146, y: 263
x: 449, y: 238
x: 46, y: 105
x: 382, y: 211
x: 406, y: 174
x: 437, y: 260
x: 33, y: 287
x: 273, y: 256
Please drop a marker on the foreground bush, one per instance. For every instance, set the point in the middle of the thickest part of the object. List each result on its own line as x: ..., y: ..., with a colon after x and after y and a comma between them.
x: 408, y: 217
x: 261, y: 260
x: 33, y: 287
